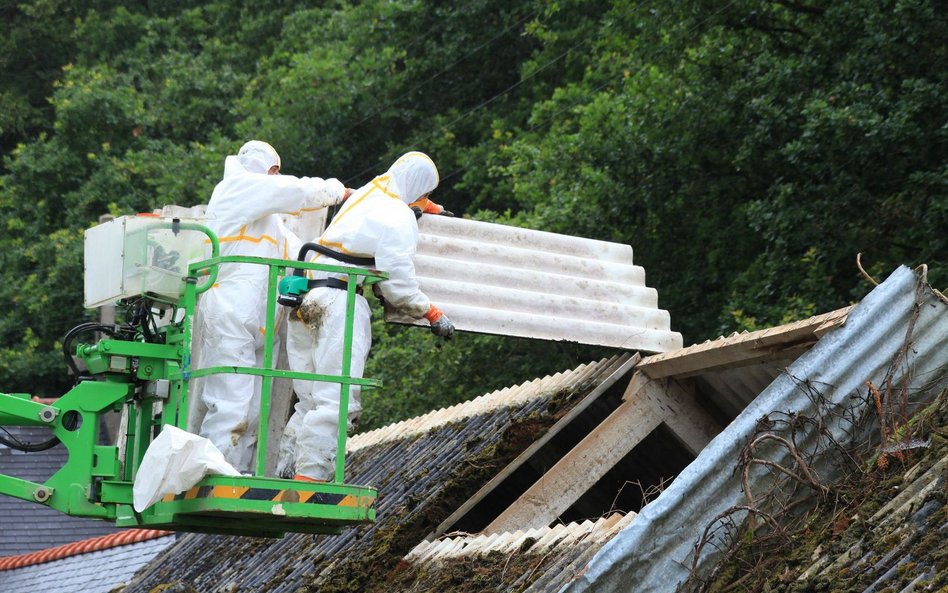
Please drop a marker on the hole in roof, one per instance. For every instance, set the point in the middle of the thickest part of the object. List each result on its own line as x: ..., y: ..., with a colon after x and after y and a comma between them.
x: 635, y: 479
x: 517, y: 481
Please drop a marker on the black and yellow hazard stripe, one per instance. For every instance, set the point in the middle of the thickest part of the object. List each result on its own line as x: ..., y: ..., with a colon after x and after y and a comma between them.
x: 270, y: 494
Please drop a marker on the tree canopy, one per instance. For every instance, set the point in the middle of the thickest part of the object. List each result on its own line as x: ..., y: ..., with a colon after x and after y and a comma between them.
x: 747, y: 151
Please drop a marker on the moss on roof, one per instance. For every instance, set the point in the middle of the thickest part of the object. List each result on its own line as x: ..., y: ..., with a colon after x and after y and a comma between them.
x: 853, y: 539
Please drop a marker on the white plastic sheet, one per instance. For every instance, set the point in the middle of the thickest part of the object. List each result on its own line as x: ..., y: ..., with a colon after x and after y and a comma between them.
x: 174, y: 462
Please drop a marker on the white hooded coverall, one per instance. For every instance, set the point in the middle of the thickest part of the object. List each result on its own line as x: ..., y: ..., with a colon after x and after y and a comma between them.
x: 244, y: 213
x: 375, y: 221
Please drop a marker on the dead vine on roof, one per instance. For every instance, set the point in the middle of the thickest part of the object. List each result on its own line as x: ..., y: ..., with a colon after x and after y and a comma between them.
x: 794, y: 500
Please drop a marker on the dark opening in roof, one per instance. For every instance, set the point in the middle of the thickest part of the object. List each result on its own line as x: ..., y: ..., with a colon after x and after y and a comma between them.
x: 636, y: 479
x: 565, y: 436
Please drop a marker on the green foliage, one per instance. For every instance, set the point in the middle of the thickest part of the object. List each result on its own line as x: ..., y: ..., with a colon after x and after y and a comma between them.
x: 746, y: 151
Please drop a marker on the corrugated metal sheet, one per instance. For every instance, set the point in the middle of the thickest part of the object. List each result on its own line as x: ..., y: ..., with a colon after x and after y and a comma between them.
x: 423, y: 472
x: 655, y: 552
x: 498, y: 279
x: 731, y: 371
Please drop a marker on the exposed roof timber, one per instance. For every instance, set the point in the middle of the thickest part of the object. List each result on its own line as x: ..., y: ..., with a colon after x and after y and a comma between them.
x: 621, y: 366
x: 776, y: 343
x: 504, y: 280
x: 648, y: 403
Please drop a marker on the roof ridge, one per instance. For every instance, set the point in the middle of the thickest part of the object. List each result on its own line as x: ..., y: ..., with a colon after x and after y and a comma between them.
x: 94, y: 544
x: 505, y: 397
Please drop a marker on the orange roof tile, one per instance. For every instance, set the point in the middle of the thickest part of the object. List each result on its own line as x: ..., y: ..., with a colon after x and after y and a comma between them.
x: 103, y: 542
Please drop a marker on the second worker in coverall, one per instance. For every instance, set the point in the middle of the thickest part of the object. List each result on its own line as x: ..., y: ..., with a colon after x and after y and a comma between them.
x: 244, y: 213
x: 375, y: 221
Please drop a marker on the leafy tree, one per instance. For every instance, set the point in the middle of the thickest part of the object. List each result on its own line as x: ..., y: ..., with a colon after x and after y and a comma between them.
x: 747, y: 151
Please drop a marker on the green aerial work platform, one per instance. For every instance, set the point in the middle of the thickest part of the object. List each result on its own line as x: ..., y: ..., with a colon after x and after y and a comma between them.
x: 156, y: 267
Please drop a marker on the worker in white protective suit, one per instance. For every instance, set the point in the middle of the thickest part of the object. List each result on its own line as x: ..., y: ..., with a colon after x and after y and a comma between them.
x: 376, y: 221
x: 244, y: 213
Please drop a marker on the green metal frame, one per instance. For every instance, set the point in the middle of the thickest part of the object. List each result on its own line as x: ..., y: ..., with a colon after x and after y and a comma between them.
x: 149, y: 382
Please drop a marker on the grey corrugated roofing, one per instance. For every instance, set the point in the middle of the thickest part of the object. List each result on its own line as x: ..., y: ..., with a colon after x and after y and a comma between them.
x: 656, y: 551
x: 100, y: 571
x: 894, y: 547
x: 422, y: 475
x: 27, y: 526
x: 540, y: 558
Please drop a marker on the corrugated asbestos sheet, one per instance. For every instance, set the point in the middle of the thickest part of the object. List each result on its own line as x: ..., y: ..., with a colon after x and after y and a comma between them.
x: 894, y: 337
x: 497, y: 279
x: 510, y: 397
x: 423, y: 471
x: 535, y: 561
x: 890, y: 550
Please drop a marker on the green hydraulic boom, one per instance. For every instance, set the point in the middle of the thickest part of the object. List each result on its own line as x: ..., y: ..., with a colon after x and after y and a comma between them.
x: 157, y: 268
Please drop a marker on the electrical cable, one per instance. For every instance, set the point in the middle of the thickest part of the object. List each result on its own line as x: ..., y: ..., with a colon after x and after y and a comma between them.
x: 15, y: 443
x: 76, y: 331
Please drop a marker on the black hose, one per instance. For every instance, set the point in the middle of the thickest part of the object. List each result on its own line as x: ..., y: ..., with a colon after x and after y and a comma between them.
x: 15, y: 443
x: 332, y: 253
x: 76, y: 331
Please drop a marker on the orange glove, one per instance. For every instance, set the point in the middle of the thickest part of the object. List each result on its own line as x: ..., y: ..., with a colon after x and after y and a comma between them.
x: 433, y: 314
x: 426, y: 206
x: 440, y: 324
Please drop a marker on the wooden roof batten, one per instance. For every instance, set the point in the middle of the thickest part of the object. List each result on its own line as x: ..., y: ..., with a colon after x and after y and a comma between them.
x: 647, y: 403
x: 782, y: 342
x: 619, y: 368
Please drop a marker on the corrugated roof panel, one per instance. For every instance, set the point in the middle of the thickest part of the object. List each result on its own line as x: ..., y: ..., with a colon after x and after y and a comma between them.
x: 539, y: 560
x: 897, y: 334
x: 506, y: 397
x: 498, y: 279
x: 534, y: 539
x: 733, y: 389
